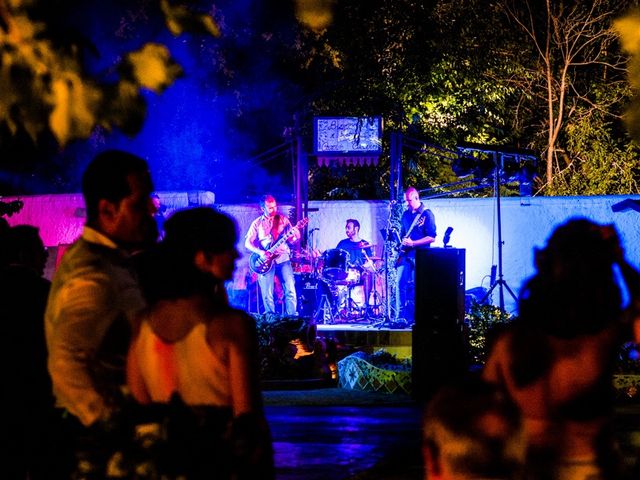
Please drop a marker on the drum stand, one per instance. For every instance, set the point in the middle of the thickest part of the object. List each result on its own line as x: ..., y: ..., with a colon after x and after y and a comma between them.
x: 377, y: 305
x: 386, y: 320
x: 324, y: 314
x: 352, y: 312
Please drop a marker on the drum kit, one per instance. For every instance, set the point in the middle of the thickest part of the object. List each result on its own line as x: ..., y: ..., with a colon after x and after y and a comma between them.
x: 331, y: 290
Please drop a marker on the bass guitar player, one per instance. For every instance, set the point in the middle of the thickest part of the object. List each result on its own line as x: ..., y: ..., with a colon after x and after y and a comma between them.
x: 417, y: 231
x: 266, y: 232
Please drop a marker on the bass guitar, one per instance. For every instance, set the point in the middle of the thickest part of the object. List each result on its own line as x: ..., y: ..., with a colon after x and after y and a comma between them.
x: 261, y: 265
x: 403, y: 251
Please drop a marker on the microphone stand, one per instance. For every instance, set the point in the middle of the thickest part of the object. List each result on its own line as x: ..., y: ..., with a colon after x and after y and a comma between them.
x: 311, y: 245
x: 385, y: 256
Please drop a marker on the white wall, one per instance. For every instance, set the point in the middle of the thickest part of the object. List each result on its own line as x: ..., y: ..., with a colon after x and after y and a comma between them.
x: 525, y: 225
x: 61, y: 217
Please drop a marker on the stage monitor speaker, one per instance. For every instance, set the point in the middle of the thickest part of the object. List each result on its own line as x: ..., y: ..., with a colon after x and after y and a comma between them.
x: 439, y: 349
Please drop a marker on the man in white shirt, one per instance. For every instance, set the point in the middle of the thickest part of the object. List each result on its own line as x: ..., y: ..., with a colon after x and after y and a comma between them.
x: 94, y: 294
x: 264, y: 232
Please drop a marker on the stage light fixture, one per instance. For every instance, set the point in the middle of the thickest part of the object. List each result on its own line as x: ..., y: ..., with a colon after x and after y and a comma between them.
x: 485, y: 161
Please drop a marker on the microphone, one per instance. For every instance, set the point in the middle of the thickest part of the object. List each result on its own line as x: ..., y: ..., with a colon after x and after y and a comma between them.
x: 447, y: 236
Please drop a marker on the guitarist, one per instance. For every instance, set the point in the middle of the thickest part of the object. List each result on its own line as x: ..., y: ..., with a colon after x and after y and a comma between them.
x: 417, y: 231
x: 264, y: 232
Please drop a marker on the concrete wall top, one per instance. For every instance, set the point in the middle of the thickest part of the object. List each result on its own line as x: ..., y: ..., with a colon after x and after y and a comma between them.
x: 61, y: 217
x: 526, y: 223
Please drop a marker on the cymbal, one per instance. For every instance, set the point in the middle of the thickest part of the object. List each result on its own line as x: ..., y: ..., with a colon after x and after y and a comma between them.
x: 375, y: 259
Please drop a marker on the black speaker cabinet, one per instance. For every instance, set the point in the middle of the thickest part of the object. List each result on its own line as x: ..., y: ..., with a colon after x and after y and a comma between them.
x: 439, y: 349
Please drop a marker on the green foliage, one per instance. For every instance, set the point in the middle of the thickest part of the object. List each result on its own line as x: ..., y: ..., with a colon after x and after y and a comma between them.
x: 432, y: 74
x: 432, y: 90
x: 480, y: 322
x: 288, y: 349
x: 487, y: 83
x: 596, y: 163
x: 46, y: 90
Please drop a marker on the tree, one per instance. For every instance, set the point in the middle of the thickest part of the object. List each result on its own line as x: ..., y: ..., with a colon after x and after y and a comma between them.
x: 45, y: 87
x: 386, y: 58
x: 574, y: 72
x: 542, y: 74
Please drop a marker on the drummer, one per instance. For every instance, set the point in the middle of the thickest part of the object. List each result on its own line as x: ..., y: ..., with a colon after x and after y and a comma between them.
x: 360, y: 253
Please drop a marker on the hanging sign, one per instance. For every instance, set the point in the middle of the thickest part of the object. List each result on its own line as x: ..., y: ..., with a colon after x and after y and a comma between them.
x: 348, y: 140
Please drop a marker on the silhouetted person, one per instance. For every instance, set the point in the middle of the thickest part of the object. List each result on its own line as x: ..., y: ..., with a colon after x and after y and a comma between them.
x: 160, y: 215
x: 95, y: 298
x: 194, y: 350
x: 27, y: 402
x: 4, y: 225
x: 471, y: 430
x: 557, y: 360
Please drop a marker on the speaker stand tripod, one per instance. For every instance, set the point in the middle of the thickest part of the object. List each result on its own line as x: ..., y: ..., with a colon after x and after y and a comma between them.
x: 500, y: 282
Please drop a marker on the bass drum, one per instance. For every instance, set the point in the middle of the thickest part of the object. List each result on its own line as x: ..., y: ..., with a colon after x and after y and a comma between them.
x: 335, y: 264
x: 311, y: 292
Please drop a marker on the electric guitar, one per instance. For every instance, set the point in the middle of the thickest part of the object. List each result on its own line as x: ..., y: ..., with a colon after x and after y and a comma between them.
x: 261, y: 265
x: 403, y: 250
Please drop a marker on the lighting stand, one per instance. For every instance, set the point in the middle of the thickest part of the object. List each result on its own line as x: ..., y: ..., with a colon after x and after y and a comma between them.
x: 500, y: 282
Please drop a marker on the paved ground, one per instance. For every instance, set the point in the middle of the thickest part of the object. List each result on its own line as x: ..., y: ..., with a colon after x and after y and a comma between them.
x: 327, y: 442
x: 336, y: 434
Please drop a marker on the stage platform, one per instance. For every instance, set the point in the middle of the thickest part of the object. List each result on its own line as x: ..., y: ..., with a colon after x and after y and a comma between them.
x: 369, y: 337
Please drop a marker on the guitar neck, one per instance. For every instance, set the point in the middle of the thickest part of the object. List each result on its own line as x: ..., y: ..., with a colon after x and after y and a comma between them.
x: 282, y: 239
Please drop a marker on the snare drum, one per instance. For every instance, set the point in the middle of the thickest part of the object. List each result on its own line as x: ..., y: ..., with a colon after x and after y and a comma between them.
x: 352, y: 278
x: 335, y: 264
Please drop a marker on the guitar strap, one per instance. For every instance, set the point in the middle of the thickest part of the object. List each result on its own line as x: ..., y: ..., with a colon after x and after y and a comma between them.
x: 413, y: 225
x: 274, y: 229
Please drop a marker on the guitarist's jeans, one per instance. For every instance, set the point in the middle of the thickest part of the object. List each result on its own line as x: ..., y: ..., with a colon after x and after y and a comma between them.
x: 266, y: 282
x: 405, y: 290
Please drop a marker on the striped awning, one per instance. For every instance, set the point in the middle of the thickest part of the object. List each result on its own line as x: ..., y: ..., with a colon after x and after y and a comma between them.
x: 356, y: 161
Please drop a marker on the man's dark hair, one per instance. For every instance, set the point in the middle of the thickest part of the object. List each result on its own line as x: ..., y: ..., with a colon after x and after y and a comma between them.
x: 22, y: 245
x: 355, y: 222
x: 168, y: 271
x: 266, y: 198
x: 106, y: 177
x: 484, y: 426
